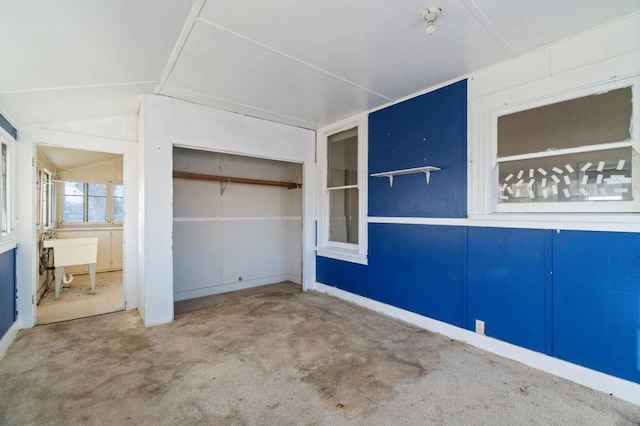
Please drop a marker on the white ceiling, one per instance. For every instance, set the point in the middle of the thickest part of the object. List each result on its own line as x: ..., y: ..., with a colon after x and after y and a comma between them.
x: 67, y: 158
x: 307, y: 63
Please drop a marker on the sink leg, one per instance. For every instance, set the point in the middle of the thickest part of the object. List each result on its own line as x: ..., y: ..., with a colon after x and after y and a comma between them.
x: 59, y: 275
x: 92, y: 277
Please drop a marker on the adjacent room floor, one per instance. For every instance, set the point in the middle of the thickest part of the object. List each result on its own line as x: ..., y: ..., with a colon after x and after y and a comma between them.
x: 274, y: 356
x: 77, y: 302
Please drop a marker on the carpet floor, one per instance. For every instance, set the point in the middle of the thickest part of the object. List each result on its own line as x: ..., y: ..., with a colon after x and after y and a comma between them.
x: 277, y: 356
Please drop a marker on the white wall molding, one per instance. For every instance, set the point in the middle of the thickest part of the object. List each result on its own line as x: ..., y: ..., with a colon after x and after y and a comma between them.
x: 235, y: 219
x: 620, y: 388
x: 226, y: 288
x: 574, y: 222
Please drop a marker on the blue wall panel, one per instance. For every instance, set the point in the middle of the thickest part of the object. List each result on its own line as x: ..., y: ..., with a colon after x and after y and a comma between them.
x: 7, y: 290
x: 351, y: 277
x: 427, y: 130
x: 596, y: 312
x: 506, y: 284
x: 418, y: 268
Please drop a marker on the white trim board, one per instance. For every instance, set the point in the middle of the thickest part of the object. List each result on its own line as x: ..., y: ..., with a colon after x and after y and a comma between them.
x: 235, y: 219
x: 226, y: 288
x: 577, y: 222
x: 620, y: 388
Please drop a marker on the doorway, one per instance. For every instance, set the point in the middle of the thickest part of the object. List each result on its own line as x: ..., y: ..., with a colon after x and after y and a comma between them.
x: 79, y: 198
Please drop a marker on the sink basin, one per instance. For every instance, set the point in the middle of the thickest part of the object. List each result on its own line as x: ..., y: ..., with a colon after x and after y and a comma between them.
x: 73, y: 251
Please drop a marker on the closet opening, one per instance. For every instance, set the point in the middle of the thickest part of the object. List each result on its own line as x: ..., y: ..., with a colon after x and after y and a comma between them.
x: 237, y: 223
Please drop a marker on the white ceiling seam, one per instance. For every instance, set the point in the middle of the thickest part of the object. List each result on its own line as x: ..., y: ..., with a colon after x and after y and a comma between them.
x: 475, y: 10
x: 285, y: 55
x: 182, y: 40
x: 288, y: 118
x: 88, y: 86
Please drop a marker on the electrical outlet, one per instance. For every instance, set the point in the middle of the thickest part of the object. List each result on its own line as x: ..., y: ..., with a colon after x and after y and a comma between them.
x: 480, y: 327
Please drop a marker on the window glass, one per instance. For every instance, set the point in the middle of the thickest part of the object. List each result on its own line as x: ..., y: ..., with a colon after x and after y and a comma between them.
x: 585, y: 121
x: 343, y: 215
x: 118, y: 204
x: 46, y: 202
x: 4, y: 192
x: 73, y: 202
x: 590, y: 176
x: 97, y: 202
x: 342, y: 158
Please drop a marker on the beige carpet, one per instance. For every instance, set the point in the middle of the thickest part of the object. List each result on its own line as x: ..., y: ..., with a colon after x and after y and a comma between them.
x: 77, y: 302
x: 275, y: 356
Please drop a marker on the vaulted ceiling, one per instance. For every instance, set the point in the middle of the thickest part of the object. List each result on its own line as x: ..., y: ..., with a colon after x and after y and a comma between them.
x: 305, y: 63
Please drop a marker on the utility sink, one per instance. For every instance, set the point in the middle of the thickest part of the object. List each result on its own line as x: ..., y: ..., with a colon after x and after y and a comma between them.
x: 74, y: 251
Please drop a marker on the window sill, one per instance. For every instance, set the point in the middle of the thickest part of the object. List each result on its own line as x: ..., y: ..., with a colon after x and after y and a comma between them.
x: 7, y: 244
x: 344, y: 255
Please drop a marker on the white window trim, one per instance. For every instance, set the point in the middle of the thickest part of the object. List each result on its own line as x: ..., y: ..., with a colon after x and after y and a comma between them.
x: 483, y: 198
x: 355, y: 253
x: 7, y: 240
x: 109, y: 220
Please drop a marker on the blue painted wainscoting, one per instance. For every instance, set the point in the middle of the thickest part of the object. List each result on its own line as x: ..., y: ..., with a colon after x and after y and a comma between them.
x: 418, y: 268
x: 347, y: 276
x: 507, y: 284
x: 596, y: 301
x: 574, y: 295
x: 7, y: 290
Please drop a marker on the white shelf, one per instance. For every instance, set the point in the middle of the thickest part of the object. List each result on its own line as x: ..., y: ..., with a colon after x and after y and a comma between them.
x: 390, y: 174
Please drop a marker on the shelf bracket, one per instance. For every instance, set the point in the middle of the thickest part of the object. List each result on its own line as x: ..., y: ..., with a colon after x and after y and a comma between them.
x: 223, y: 186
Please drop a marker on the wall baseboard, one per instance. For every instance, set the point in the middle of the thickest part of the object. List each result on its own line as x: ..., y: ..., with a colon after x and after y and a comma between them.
x: 620, y: 388
x: 294, y: 278
x: 225, y: 288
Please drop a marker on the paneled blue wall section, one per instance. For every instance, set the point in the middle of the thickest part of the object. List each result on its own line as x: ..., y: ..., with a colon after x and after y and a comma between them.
x: 574, y: 295
x: 7, y: 290
x: 418, y: 268
x: 507, y: 284
x: 347, y: 276
x: 429, y: 130
x: 596, y: 294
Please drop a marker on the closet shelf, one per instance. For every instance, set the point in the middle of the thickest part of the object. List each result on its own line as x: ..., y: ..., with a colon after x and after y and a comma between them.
x: 228, y: 179
x: 390, y: 174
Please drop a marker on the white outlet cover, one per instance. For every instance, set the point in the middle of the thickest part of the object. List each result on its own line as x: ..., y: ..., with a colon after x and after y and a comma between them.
x: 480, y: 326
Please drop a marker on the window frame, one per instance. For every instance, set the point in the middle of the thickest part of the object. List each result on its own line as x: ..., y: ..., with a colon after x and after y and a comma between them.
x: 46, y: 197
x: 578, y: 207
x: 109, y: 213
x: 8, y: 197
x: 355, y: 253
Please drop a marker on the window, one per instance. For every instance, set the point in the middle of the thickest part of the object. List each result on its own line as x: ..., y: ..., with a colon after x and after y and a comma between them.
x: 342, y: 225
x: 118, y: 203
x: 573, y: 155
x: 45, y: 209
x: 85, y: 202
x: 5, y: 223
x: 342, y: 186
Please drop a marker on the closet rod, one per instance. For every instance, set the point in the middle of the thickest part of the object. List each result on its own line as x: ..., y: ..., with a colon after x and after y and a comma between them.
x: 215, y: 178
